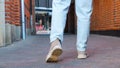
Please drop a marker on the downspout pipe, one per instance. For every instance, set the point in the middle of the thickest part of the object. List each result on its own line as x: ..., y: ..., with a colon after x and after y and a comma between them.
x: 23, y: 20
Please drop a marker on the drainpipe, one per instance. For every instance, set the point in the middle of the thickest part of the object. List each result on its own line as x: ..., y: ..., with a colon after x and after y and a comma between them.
x: 23, y: 20
x: 31, y: 17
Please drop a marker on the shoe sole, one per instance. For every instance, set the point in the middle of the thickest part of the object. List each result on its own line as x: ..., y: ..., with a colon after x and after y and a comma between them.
x: 54, y: 56
x: 83, y: 57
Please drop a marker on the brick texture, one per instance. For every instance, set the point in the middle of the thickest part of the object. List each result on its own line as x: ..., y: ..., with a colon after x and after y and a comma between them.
x: 106, y: 15
x: 13, y: 12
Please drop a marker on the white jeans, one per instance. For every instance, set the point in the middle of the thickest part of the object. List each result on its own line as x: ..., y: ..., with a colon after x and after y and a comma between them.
x: 83, y: 12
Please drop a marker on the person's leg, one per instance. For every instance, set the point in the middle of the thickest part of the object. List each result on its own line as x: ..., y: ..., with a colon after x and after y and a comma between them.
x: 83, y: 12
x: 59, y: 12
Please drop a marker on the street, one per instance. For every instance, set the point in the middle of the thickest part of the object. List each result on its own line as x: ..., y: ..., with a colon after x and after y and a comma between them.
x: 104, y: 52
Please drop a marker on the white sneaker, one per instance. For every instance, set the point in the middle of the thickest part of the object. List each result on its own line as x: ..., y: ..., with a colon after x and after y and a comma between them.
x: 82, y: 55
x: 55, y: 51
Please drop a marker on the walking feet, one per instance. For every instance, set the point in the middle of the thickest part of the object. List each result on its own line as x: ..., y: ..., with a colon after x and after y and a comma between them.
x: 55, y: 51
x: 82, y: 55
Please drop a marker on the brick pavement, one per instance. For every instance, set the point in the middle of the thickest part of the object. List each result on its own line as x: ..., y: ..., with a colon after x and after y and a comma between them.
x: 104, y: 52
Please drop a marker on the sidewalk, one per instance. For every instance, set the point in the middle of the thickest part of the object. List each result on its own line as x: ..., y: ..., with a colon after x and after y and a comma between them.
x: 104, y: 52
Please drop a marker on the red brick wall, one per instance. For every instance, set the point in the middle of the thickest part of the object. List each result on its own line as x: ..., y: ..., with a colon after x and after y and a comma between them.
x: 27, y: 13
x: 106, y: 15
x: 12, y: 11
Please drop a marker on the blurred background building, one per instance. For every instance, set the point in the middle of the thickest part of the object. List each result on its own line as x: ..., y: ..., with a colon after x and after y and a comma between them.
x: 105, y: 18
x: 11, y: 20
x: 21, y: 18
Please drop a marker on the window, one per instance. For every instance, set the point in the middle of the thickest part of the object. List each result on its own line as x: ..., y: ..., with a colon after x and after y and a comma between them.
x: 43, y: 3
